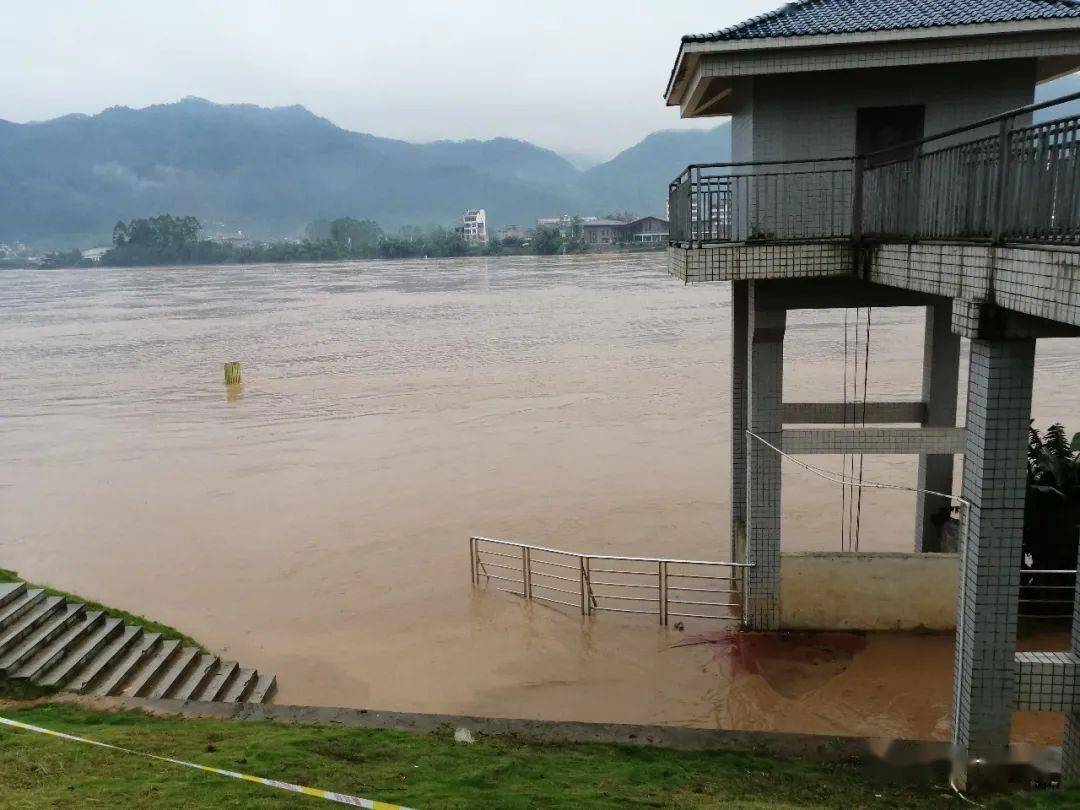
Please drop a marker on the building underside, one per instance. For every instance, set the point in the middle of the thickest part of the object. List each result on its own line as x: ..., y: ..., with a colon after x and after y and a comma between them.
x: 985, y: 235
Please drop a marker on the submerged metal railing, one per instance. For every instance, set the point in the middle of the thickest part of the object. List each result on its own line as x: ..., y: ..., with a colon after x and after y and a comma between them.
x: 1047, y: 594
x: 594, y: 583
x: 1000, y: 179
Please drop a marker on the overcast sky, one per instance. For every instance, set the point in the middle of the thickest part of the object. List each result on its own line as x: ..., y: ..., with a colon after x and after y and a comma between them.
x: 574, y: 75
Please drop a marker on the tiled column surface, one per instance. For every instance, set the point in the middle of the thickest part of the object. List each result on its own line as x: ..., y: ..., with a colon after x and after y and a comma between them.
x: 766, y: 375
x: 941, y: 369
x: 740, y: 323
x: 995, y: 473
x: 1070, y: 746
x: 1050, y: 682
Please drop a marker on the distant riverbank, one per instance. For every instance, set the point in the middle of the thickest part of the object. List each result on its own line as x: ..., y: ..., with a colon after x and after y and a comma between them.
x: 48, y: 263
x: 168, y: 240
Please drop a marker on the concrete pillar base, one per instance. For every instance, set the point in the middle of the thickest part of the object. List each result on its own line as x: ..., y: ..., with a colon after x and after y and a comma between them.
x: 995, y: 485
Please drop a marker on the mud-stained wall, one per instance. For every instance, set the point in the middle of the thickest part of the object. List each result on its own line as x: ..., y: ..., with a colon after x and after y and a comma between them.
x: 868, y: 591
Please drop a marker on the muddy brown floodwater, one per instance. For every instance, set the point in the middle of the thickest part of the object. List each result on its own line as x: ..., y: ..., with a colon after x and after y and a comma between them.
x: 316, y: 524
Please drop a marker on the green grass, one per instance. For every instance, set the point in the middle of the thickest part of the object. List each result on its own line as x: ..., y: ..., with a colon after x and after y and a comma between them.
x: 123, y: 615
x: 417, y: 770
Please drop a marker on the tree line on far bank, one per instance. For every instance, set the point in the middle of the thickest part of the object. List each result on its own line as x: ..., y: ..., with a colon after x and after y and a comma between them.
x: 167, y: 239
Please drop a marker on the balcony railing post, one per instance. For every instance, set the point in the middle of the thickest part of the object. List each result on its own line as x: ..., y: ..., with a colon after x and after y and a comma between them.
x: 1002, y: 181
x: 915, y: 194
x: 694, y: 207
x: 857, y: 176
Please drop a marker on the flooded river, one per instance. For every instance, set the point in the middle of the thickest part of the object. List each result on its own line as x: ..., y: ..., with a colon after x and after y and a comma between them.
x: 315, y: 523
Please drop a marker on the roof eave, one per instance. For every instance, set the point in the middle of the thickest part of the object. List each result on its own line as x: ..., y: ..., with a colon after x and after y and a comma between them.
x: 688, y: 49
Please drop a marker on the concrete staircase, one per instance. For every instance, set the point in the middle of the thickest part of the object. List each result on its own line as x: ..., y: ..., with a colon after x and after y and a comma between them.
x: 50, y: 642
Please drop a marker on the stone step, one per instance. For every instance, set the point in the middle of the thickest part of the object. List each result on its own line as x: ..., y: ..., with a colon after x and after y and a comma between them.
x: 242, y: 684
x: 10, y: 591
x: 30, y: 621
x: 196, y: 679
x: 220, y: 681
x: 51, y: 642
x: 40, y: 663
x: 264, y: 689
x: 114, y: 680
x: 152, y: 669
x: 17, y: 608
x: 43, y: 634
x: 86, y: 670
x: 179, y: 668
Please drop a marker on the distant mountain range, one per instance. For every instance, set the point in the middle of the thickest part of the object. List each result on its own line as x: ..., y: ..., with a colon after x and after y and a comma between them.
x: 268, y: 172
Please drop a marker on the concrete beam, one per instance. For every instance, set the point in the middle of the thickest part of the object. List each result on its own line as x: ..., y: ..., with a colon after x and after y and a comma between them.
x: 706, y: 92
x: 841, y: 413
x: 1042, y: 281
x: 746, y: 262
x: 978, y: 320
x: 880, y: 441
x: 837, y: 293
x: 1048, y: 681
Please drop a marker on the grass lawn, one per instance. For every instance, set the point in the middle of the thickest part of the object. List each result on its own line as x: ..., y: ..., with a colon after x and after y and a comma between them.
x: 417, y: 770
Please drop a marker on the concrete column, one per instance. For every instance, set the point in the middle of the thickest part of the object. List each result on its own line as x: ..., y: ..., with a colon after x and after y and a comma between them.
x: 941, y: 370
x: 765, y: 406
x: 740, y: 324
x: 995, y: 482
x: 1070, y: 744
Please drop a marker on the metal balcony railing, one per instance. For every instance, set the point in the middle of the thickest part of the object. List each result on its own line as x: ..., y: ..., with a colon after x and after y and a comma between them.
x: 747, y: 202
x: 1001, y: 179
x: 1047, y: 594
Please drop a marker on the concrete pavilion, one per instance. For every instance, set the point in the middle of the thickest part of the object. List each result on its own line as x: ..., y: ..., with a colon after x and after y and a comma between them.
x: 888, y: 153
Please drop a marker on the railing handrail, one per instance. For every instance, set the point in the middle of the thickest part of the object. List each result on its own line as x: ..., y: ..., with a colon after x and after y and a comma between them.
x: 1016, y: 112
x: 787, y: 162
x: 1048, y: 571
x: 983, y: 122
x: 637, y: 596
x: 1015, y: 183
x: 609, y: 556
x: 719, y: 178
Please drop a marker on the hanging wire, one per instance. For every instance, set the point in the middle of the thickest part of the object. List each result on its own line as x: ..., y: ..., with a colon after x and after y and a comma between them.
x: 845, y: 481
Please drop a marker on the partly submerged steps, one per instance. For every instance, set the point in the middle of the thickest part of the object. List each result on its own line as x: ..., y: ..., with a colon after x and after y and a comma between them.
x: 48, y: 641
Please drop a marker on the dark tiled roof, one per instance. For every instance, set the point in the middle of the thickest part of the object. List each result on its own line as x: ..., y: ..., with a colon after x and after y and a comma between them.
x: 810, y: 17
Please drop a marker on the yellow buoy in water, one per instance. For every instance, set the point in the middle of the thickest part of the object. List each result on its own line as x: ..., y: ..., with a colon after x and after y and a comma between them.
x: 232, y: 374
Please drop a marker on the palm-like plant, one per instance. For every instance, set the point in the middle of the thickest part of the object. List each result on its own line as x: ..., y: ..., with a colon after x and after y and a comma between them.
x: 1052, y: 512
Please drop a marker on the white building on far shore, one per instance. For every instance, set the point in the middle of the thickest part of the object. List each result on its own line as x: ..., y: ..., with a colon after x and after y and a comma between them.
x: 474, y: 226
